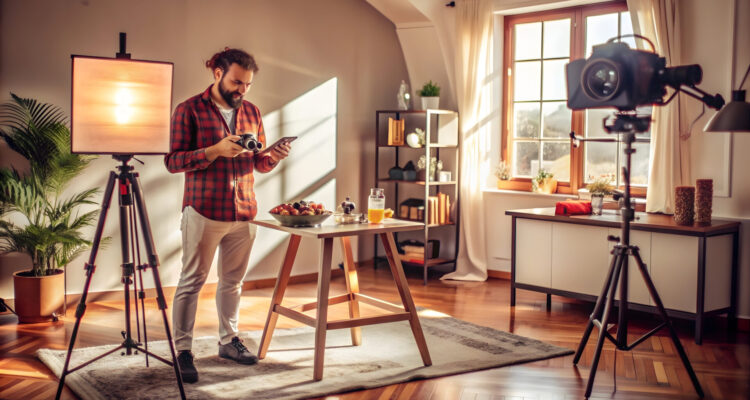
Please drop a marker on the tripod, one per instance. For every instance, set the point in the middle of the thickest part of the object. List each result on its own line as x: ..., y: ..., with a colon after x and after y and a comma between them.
x: 131, y: 201
x: 627, y: 125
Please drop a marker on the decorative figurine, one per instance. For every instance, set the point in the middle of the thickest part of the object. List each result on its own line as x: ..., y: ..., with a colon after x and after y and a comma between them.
x: 403, y: 96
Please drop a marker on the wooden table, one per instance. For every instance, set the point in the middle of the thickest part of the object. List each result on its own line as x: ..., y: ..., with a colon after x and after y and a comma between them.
x: 327, y: 233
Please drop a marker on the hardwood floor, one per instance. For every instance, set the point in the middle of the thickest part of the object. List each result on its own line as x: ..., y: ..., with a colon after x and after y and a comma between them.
x: 651, y: 371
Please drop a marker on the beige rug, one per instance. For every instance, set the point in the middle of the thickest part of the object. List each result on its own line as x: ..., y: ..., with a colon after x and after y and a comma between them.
x: 388, y: 355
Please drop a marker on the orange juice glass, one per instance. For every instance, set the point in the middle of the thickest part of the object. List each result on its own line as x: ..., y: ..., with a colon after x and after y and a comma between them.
x: 376, y: 206
x: 375, y: 215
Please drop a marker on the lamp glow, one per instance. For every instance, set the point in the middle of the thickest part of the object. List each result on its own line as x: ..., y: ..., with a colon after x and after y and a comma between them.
x: 123, y: 110
x: 120, y: 106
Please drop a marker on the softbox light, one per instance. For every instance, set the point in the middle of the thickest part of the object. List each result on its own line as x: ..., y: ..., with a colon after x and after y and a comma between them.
x: 120, y: 106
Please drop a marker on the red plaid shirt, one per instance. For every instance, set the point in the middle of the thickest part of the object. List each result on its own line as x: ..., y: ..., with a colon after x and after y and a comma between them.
x: 221, y: 190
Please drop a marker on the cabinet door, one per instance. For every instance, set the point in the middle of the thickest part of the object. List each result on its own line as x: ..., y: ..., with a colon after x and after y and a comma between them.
x: 674, y: 270
x: 533, y: 245
x: 718, y: 272
x: 580, y: 258
x: 637, y: 291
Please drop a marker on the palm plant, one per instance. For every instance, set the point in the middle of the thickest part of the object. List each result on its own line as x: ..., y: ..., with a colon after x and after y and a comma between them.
x: 47, y: 226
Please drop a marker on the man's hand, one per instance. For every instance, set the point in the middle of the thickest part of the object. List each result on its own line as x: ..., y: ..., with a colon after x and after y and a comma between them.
x: 225, y: 148
x: 280, y: 152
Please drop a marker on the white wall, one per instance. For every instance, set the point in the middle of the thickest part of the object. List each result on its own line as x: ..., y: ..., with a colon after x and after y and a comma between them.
x: 343, y: 55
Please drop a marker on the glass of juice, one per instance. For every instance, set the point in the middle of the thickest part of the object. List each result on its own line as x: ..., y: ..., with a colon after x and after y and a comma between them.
x: 376, y: 205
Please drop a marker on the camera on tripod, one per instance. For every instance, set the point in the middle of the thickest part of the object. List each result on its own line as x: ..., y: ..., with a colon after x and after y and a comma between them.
x: 248, y: 141
x: 617, y: 76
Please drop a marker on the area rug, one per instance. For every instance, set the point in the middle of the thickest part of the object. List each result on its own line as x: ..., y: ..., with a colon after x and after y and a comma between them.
x: 388, y: 355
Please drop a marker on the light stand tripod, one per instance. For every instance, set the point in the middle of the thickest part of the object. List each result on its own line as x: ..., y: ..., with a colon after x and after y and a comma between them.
x: 131, y: 202
x: 627, y: 125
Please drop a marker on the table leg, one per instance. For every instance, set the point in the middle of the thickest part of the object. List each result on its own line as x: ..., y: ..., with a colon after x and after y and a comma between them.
x: 352, y: 287
x: 278, y: 294
x: 321, y: 318
x: 403, y: 290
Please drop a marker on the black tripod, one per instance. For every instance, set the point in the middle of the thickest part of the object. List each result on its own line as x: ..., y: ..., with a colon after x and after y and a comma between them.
x: 131, y: 201
x: 627, y: 125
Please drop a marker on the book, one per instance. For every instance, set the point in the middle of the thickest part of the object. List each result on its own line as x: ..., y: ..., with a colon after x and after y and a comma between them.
x: 441, y: 207
x: 396, y: 129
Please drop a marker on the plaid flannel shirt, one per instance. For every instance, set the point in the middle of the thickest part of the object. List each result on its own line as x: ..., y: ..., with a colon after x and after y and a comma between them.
x: 221, y: 190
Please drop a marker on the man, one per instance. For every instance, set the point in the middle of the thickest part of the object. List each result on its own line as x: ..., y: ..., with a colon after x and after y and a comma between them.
x: 218, y: 199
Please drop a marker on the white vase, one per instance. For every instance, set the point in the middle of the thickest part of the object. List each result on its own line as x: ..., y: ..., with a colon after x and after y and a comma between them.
x: 430, y: 102
x: 597, y: 202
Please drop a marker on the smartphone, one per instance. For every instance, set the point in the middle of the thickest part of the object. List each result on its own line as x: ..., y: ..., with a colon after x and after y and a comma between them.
x: 285, y: 139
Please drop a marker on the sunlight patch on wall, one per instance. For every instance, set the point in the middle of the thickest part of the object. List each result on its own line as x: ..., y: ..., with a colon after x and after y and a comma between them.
x: 312, y: 117
x: 307, y: 173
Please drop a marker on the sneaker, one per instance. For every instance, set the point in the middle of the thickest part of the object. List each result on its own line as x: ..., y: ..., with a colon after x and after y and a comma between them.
x: 237, y: 351
x: 187, y: 368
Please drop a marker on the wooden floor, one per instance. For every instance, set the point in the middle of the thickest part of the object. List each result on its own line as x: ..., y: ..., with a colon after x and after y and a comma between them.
x: 651, y: 371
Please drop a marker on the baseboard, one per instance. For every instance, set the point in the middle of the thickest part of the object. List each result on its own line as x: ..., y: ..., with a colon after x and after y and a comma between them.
x: 271, y: 282
x: 743, y: 324
x: 209, y: 288
x: 498, y: 274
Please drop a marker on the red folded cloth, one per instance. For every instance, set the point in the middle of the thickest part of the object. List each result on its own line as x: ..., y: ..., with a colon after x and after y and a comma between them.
x: 573, y: 207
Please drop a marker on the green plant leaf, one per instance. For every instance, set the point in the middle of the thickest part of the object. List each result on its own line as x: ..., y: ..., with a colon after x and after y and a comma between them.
x: 51, y: 230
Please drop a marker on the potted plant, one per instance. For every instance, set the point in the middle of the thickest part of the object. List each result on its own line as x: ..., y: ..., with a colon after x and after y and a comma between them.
x: 502, y: 173
x: 35, y: 217
x: 598, y: 188
x: 430, y: 94
x: 544, y: 182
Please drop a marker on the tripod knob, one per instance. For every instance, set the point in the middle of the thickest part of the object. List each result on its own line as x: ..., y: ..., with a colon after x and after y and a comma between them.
x: 613, y: 238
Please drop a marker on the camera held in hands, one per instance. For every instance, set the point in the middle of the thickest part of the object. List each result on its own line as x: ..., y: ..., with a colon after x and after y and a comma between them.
x: 617, y: 76
x: 248, y: 141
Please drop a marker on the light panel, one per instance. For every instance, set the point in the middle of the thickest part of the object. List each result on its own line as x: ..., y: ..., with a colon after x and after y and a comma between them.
x: 120, y: 106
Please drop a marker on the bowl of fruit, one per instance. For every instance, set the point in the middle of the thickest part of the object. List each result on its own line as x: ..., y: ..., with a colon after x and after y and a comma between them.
x: 300, y: 213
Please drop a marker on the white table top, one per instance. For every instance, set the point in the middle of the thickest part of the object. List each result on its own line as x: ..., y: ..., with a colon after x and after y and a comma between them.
x: 330, y: 229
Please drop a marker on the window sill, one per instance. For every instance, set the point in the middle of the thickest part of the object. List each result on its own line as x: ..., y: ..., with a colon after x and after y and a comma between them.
x: 561, y: 196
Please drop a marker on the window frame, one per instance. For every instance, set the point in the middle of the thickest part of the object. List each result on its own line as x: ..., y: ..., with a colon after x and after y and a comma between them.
x: 577, y: 17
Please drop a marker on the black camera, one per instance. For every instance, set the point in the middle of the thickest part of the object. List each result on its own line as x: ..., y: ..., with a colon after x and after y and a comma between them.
x: 248, y: 141
x: 617, y: 76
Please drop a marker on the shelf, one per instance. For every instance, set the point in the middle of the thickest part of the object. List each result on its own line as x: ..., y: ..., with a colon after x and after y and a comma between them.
x: 432, y: 146
x: 422, y: 183
x: 428, y: 225
x: 431, y: 262
x: 431, y: 111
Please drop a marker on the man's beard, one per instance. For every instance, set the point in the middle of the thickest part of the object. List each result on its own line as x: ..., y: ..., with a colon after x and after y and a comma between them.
x: 229, y: 96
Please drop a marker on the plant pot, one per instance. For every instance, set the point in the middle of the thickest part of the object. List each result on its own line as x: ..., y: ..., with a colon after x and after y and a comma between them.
x: 597, y: 203
x: 37, y: 297
x: 548, y: 186
x: 431, y: 102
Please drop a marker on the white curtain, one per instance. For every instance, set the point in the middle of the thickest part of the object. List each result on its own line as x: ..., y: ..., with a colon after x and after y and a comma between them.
x: 473, y: 69
x: 659, y: 21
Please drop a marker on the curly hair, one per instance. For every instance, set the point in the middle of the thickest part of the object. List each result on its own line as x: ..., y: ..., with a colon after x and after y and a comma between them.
x: 224, y: 59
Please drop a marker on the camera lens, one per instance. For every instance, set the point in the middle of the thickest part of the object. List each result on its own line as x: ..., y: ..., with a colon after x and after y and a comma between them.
x: 601, y: 79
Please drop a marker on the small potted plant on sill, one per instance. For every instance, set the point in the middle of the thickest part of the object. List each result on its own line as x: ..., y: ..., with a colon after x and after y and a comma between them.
x: 502, y: 173
x: 599, y: 188
x: 36, y: 218
x: 544, y: 182
x: 430, y: 94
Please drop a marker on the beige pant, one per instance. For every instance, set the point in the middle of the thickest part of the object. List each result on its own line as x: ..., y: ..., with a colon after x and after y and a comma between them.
x: 200, y: 238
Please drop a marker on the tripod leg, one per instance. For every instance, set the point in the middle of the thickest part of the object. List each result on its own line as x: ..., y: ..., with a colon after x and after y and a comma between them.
x: 603, y: 327
x: 668, y: 323
x: 90, y: 267
x: 598, y: 307
x: 153, y: 261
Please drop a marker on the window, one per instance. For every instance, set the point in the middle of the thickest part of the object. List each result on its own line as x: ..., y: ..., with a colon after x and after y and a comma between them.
x: 536, y: 120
